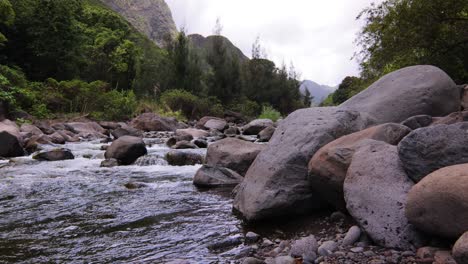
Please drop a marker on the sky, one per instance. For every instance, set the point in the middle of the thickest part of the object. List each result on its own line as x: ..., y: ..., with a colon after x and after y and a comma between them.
x: 316, y: 36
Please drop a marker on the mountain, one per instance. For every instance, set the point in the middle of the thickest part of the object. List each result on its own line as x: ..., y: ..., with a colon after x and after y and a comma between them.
x: 151, y: 17
x: 205, y: 45
x: 319, y: 92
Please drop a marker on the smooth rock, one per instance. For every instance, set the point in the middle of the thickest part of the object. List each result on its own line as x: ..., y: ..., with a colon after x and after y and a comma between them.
x: 411, y: 91
x: 438, y: 204
x: 232, y: 153
x: 194, y: 133
x: 11, y: 140
x: 231, y: 131
x: 201, y: 123
x: 28, y: 128
x: 33, y: 143
x: 460, y: 249
x: 179, y: 158
x: 209, y: 176
x: 126, y: 131
x: 152, y: 122
x: 90, y: 130
x: 418, y: 121
x: 284, y: 260
x: 328, y: 167
x: 45, y: 127
x: 126, y: 150
x: 428, y: 149
x: 352, y: 236
x: 216, y: 124
x: 276, y: 183
x: 327, y: 248
x: 57, y: 138
x: 266, y: 134
x: 257, y: 125
x: 444, y: 257
x: 251, y: 260
x: 54, y: 155
x: 251, y: 237
x: 375, y: 192
x: 304, y: 246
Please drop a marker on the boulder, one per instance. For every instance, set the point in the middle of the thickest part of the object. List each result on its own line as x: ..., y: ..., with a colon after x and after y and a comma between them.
x: 233, y: 154
x: 126, y: 150
x: 28, y: 128
x: 276, y: 183
x: 57, y: 138
x: 109, y: 125
x: 184, y: 144
x: 428, y: 149
x: 438, y: 204
x: 328, y: 167
x: 418, y: 121
x: 126, y: 131
x: 453, y: 118
x: 460, y: 249
x: 209, y: 176
x: 179, y: 158
x: 411, y: 91
x: 32, y: 144
x: 173, y: 140
x: 11, y: 140
x: 54, y: 155
x: 59, y: 126
x: 44, y: 127
x: 201, y: 123
x: 257, y: 125
x: 67, y: 135
x: 266, y: 134
x: 194, y: 133
x: 232, y: 131
x: 216, y: 124
x: 86, y: 128
x: 152, y: 122
x: 375, y: 191
x: 201, y: 143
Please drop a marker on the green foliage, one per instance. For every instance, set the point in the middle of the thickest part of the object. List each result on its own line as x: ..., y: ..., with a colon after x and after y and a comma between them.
x: 7, y: 16
x: 400, y: 33
x: 180, y: 100
x: 246, y: 107
x: 269, y: 112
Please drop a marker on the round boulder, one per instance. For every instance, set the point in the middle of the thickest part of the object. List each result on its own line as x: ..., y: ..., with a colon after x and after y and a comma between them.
x: 438, y: 204
x: 257, y: 125
x: 179, y: 158
x: 126, y: 150
x: 152, y: 122
x: 209, y: 176
x: 266, y: 134
x: 216, y: 124
x: 11, y: 140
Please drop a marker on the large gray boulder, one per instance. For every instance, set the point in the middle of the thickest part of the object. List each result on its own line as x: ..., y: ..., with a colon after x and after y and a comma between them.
x: 10, y: 140
x: 438, y: 204
x: 428, y: 149
x: 152, y: 122
x: 209, y: 176
x: 232, y: 153
x: 257, y: 125
x: 216, y: 124
x: 126, y: 150
x: 375, y: 191
x: 328, y: 167
x: 276, y: 183
x: 411, y: 91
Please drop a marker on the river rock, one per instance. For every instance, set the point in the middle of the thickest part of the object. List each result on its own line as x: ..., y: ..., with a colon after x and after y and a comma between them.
x: 179, y: 158
x: 54, y: 155
x: 201, y: 123
x: 57, y: 138
x: 184, y: 144
x: 266, y: 134
x: 109, y: 125
x: 209, y: 176
x: 352, y: 236
x: 444, y: 257
x: 152, y: 122
x: 201, y: 143
x: 257, y: 125
x: 411, y: 91
x: 328, y: 167
x: 460, y: 249
x: 233, y: 153
x: 304, y: 246
x: 194, y: 133
x: 216, y: 124
x: 438, y: 204
x: 453, y: 118
x: 28, y: 128
x: 109, y: 163
x: 428, y: 149
x: 251, y: 260
x: 126, y: 150
x: 276, y: 183
x: 232, y: 131
x: 45, y: 127
x: 126, y: 131
x: 281, y: 260
x: 375, y: 191
x: 327, y: 248
x: 233, y: 117
x: 418, y: 121
x: 90, y: 130
x: 11, y: 140
x: 32, y: 144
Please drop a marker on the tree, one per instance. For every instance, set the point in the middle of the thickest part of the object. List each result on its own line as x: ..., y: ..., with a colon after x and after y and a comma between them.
x: 399, y: 33
x: 307, y: 99
x: 7, y: 17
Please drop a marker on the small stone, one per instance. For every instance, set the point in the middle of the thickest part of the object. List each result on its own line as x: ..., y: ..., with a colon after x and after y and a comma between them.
x: 266, y: 242
x: 357, y: 249
x: 134, y: 185
x: 444, y: 257
x: 352, y: 236
x: 327, y: 248
x: 304, y: 246
x: 426, y: 252
x: 251, y: 237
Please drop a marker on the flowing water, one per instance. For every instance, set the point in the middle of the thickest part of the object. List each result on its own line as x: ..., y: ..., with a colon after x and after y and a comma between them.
x: 76, y: 212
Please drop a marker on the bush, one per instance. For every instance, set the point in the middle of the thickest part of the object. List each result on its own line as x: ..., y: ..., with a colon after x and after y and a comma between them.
x: 208, y: 106
x: 269, y: 112
x: 117, y: 105
x: 180, y: 100
x: 246, y: 107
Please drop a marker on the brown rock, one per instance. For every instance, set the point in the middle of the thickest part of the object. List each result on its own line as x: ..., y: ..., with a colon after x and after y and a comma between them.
x: 152, y: 122
x: 460, y: 250
x: 11, y: 139
x: 444, y: 257
x: 126, y: 150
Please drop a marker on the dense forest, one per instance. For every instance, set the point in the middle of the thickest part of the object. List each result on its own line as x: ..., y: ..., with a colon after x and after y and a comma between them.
x: 400, y: 33
x: 73, y: 56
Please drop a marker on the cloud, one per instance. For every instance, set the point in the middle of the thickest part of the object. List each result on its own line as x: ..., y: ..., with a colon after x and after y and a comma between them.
x: 317, y: 36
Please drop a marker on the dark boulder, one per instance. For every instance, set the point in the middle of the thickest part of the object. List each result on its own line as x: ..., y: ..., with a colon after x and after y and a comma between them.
x: 266, y: 134
x: 126, y: 131
x: 179, y: 158
x: 257, y: 125
x: 209, y: 176
x: 11, y: 140
x: 152, y: 122
x: 418, y: 121
x: 126, y: 150
x: 54, y: 155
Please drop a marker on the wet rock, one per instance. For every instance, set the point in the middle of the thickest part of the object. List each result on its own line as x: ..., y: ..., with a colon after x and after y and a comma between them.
x: 179, y: 158
x: 411, y: 91
x: 135, y: 185
x: 418, y: 121
x: 229, y: 242
x: 216, y: 124
x: 201, y: 123
x: 201, y: 143
x: 276, y: 183
x: 152, y: 122
x: 231, y: 131
x: 257, y: 125
x: 327, y: 248
x: 304, y: 246
x: 352, y: 236
x: 438, y: 197
x: 33, y: 143
x: 428, y: 149
x: 44, y: 127
x: 195, y: 133
x: 328, y: 167
x: 184, y: 145
x: 104, y: 147
x: 11, y: 140
x: 109, y: 163
x: 247, y: 138
x: 375, y: 190
x: 460, y: 249
x: 66, y: 135
x: 126, y: 131
x: 266, y: 134
x: 251, y: 237
x: 28, y: 128
x: 54, y: 155
x: 209, y: 176
x: 233, y: 153
x: 126, y: 150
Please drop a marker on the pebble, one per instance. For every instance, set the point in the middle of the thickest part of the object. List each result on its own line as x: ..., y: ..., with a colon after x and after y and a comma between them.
x: 251, y: 237
x: 267, y: 242
x: 352, y: 236
x: 369, y: 253
x: 357, y: 249
x: 303, y: 246
x: 327, y: 248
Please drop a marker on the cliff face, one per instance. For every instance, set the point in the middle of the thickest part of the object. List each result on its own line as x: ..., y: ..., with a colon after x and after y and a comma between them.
x: 205, y: 45
x: 151, y: 17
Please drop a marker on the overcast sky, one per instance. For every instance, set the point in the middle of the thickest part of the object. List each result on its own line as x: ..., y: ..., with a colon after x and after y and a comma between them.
x: 316, y: 35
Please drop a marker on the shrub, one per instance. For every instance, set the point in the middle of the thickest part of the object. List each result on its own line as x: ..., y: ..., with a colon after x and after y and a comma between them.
x: 246, y: 107
x: 208, y: 106
x: 269, y: 112
x: 180, y: 100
